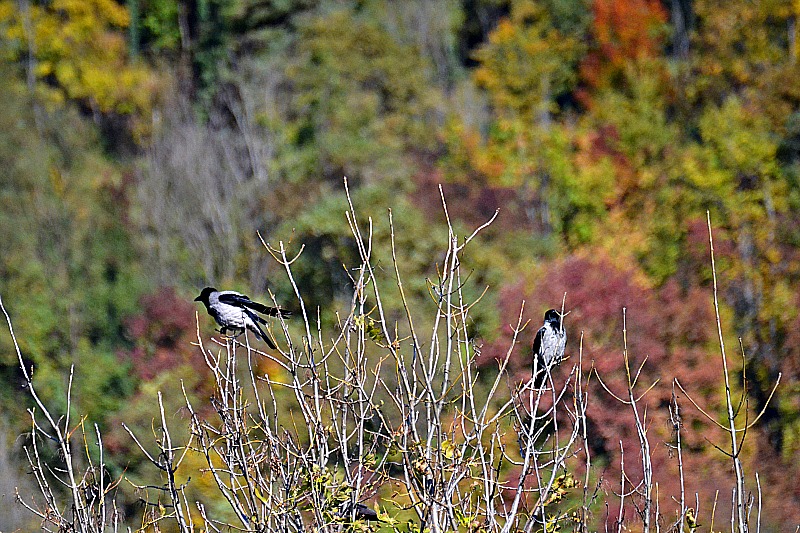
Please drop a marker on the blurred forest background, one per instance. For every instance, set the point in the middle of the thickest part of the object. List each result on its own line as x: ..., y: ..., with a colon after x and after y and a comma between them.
x: 144, y: 143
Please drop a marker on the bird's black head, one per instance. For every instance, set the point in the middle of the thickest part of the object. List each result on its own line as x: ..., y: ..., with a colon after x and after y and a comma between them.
x: 204, y: 294
x: 552, y: 316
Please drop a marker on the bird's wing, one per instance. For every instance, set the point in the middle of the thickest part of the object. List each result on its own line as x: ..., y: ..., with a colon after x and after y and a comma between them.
x: 537, y: 342
x: 240, y: 300
x: 538, y: 372
x: 233, y: 298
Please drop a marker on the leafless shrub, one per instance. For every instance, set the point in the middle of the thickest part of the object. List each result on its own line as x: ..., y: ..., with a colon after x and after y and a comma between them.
x: 379, y: 410
x: 742, y: 501
x: 644, y: 488
x: 412, y: 423
x: 75, y: 492
x: 12, y: 481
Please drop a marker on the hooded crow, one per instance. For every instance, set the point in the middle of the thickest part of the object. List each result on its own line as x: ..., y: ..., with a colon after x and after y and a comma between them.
x: 234, y: 312
x: 548, y: 346
x: 362, y: 512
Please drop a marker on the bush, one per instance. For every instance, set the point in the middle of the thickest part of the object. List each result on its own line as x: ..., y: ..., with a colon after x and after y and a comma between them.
x: 387, y: 411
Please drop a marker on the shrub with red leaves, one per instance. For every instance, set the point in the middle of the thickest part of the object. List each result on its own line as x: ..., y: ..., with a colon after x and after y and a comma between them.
x: 672, y: 327
x: 162, y: 334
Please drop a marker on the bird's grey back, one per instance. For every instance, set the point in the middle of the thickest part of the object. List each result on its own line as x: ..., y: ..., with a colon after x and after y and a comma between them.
x: 552, y: 345
x: 223, y: 313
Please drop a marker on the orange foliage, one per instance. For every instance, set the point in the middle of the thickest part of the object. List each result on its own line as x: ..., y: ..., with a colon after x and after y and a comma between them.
x: 623, y: 30
x: 602, y: 144
x: 77, y: 50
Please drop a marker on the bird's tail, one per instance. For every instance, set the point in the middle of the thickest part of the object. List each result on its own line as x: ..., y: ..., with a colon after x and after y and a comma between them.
x: 274, y: 311
x: 540, y: 371
x: 266, y: 310
x: 255, y: 319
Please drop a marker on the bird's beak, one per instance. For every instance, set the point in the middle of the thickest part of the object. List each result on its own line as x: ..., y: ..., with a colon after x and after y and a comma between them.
x: 197, y: 299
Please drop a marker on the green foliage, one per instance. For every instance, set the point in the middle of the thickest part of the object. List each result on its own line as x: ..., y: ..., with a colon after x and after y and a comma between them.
x: 357, y: 101
x: 69, y: 274
x: 568, y: 116
x: 160, y: 23
x: 527, y: 63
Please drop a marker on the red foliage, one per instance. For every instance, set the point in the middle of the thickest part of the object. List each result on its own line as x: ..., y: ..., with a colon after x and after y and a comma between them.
x: 472, y: 200
x: 162, y: 335
x: 674, y: 328
x: 623, y: 30
x: 596, y: 293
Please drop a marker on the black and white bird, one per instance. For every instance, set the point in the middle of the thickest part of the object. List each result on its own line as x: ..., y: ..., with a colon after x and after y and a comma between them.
x: 236, y: 312
x: 548, y: 346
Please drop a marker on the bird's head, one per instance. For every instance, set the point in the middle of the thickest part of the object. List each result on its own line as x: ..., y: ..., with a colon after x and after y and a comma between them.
x: 204, y: 294
x: 552, y: 316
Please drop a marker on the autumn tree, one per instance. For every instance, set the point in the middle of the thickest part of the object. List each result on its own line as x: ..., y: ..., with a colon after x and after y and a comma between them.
x: 77, y: 50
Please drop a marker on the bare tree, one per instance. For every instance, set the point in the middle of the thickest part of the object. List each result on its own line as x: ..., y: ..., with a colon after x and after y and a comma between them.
x: 75, y: 492
x: 741, y: 500
x: 200, y: 187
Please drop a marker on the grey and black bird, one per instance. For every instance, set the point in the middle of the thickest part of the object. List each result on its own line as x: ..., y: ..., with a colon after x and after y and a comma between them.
x: 362, y: 512
x: 235, y: 312
x: 548, y: 346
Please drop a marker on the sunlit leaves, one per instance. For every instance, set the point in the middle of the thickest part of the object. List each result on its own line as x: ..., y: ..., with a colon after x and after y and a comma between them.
x: 623, y: 32
x: 526, y: 63
x: 740, y: 141
x: 77, y: 50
